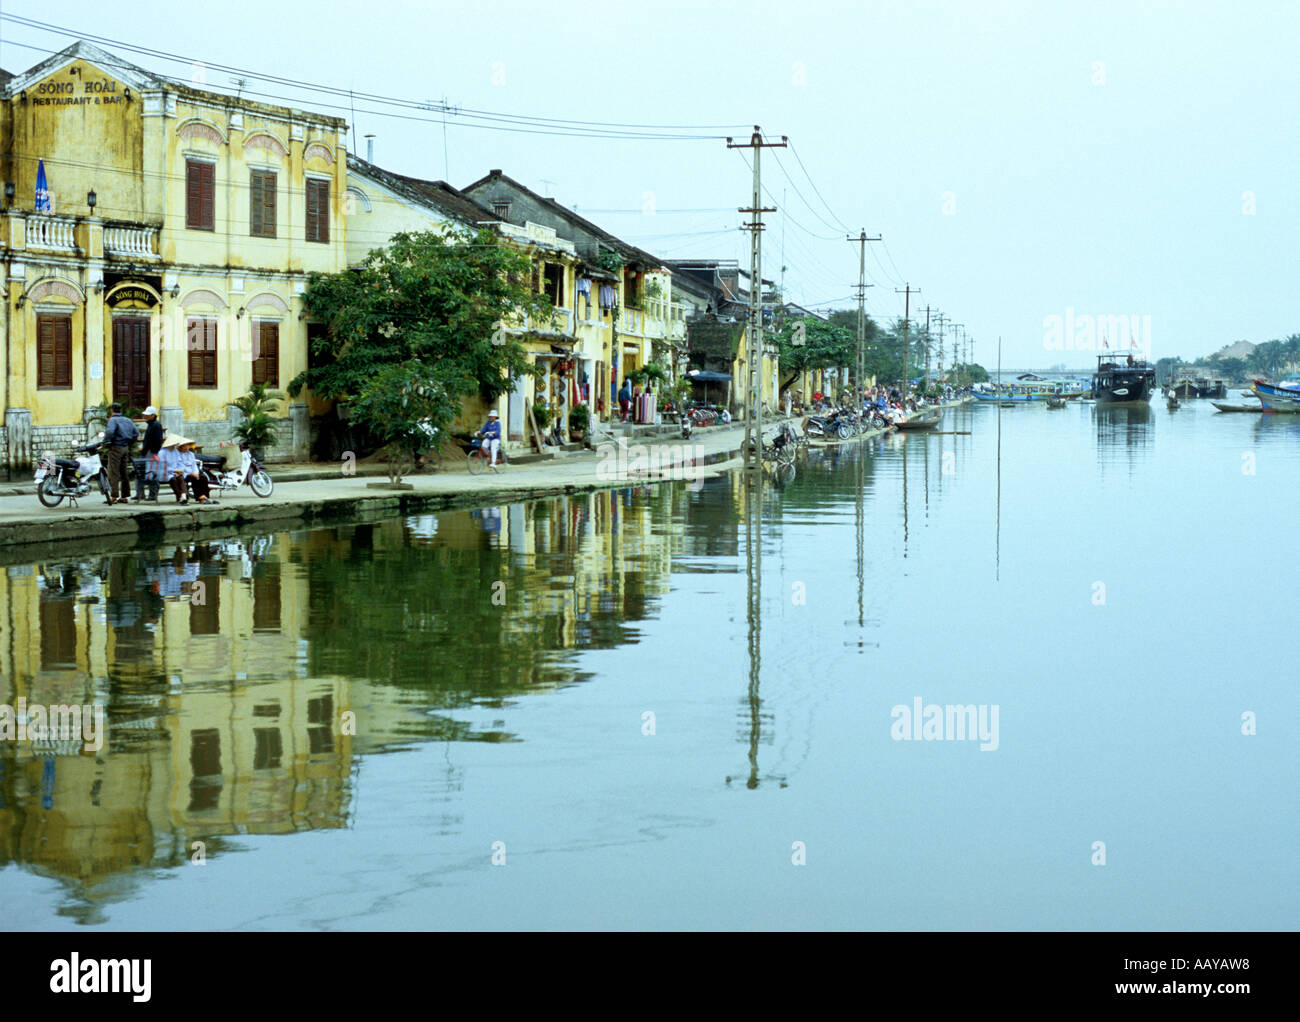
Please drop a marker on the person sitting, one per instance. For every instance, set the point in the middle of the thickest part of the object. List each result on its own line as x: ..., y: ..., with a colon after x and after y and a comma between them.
x: 181, y: 467
x: 491, y: 434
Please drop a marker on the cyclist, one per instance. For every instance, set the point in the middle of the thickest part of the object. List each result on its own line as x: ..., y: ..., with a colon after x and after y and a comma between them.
x: 491, y: 434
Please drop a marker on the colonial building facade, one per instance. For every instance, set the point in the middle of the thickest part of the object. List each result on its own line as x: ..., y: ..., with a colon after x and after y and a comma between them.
x: 164, y: 261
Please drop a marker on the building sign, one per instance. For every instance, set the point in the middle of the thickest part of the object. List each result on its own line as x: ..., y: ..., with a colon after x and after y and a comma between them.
x: 66, y: 93
x: 132, y: 293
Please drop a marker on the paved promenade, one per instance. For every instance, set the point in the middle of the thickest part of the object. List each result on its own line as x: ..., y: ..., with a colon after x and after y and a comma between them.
x: 320, y: 493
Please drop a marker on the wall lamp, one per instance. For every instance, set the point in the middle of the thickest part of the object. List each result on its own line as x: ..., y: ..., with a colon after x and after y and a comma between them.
x: 22, y: 300
x: 176, y: 291
x: 127, y: 93
x: 97, y: 287
x: 240, y: 313
x: 302, y: 315
x: 10, y: 191
x: 92, y: 200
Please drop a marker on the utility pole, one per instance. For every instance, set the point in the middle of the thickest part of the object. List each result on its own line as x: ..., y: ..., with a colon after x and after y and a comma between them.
x: 862, y: 240
x: 943, y: 321
x: 907, y: 293
x: 754, y: 396
x: 927, y: 345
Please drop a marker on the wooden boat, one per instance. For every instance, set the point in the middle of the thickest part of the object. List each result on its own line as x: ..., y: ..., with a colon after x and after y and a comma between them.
x: 1283, y: 397
x: 921, y: 420
x: 1237, y: 408
x: 1056, y: 402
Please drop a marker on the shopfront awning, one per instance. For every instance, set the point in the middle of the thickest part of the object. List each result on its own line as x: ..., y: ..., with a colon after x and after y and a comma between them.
x: 705, y: 376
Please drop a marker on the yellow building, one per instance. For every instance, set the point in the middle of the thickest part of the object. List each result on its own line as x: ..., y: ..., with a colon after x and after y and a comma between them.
x: 168, y: 265
x: 381, y: 203
x: 625, y: 314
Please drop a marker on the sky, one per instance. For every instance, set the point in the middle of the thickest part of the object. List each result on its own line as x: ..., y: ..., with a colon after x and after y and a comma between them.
x: 1021, y: 160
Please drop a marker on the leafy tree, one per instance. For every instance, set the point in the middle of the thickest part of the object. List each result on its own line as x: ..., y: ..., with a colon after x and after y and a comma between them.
x: 809, y: 343
x: 440, y: 298
x: 408, y: 407
x: 1231, y: 368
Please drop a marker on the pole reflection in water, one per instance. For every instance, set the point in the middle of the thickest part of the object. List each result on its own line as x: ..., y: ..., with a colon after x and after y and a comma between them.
x: 754, y: 609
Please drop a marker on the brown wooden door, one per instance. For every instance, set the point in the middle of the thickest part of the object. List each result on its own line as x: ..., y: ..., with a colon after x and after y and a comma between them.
x: 131, y: 361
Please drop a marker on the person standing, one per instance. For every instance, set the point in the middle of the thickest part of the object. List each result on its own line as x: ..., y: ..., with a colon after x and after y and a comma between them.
x: 148, y: 465
x: 624, y: 399
x: 118, y: 438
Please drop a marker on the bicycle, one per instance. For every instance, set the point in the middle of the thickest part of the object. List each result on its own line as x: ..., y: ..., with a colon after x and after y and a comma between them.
x: 479, y: 459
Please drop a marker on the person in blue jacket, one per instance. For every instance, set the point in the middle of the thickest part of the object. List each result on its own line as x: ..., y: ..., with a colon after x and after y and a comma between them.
x: 491, y: 434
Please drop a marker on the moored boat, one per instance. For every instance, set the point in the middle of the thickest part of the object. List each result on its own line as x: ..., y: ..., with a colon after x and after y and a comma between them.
x: 1278, y: 397
x: 1122, y: 382
x: 923, y: 419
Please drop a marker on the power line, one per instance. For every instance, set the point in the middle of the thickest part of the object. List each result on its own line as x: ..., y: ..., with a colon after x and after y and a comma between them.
x: 591, y: 127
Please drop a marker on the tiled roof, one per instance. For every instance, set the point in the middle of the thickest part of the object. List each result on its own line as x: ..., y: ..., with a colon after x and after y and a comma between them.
x: 629, y: 252
x: 438, y: 195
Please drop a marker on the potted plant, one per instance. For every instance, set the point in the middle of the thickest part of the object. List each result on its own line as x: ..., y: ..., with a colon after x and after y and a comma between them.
x: 579, y: 420
x: 258, y: 427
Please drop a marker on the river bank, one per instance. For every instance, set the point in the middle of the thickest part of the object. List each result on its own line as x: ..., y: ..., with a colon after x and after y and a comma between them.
x: 320, y: 493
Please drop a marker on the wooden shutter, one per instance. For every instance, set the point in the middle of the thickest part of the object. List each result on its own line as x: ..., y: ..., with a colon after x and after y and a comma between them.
x: 266, y: 366
x: 261, y: 211
x: 45, y: 352
x: 318, y: 210
x: 63, y: 352
x: 200, y: 195
x: 53, y: 351
x: 202, y: 355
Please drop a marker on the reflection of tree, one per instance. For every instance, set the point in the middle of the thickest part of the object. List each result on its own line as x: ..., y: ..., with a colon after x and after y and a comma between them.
x: 423, y: 616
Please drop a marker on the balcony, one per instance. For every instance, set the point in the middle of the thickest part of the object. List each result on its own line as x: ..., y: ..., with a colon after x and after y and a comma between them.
x: 51, y: 233
x: 131, y: 242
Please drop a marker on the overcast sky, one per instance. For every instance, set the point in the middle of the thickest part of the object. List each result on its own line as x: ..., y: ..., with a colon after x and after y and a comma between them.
x: 1020, y: 158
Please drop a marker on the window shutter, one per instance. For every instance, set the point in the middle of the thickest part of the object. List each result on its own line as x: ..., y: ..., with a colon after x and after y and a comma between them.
x: 200, y: 195
x: 254, y: 203
x: 209, y: 177
x: 210, y: 354
x: 268, y: 204
x: 45, y: 353
x: 271, y: 352
x: 261, y: 212
x: 63, y: 352
x: 318, y: 210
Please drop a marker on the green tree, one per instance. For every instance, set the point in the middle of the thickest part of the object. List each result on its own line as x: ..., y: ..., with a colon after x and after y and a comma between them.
x: 809, y: 343
x: 408, y: 407
x: 442, y: 299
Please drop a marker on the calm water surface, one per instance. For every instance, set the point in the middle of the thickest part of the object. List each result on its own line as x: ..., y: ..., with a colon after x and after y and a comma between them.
x: 352, y: 723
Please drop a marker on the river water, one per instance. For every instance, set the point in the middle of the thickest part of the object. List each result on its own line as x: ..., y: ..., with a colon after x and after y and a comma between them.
x: 690, y: 705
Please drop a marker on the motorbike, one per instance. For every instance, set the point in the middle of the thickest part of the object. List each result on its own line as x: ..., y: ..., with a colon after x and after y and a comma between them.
x: 829, y: 426
x: 250, y: 471
x: 73, y: 478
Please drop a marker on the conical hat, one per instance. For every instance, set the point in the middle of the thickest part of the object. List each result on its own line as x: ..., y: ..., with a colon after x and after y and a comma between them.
x: 177, y: 441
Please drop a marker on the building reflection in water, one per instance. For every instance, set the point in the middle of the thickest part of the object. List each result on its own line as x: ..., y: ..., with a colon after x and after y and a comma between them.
x: 243, y: 679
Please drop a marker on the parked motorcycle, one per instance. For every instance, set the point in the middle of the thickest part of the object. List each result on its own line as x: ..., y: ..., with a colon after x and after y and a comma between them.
x: 73, y: 478
x: 250, y: 471
x: 832, y: 425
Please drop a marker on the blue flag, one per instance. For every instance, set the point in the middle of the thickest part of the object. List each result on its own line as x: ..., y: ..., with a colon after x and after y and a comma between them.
x: 42, y: 189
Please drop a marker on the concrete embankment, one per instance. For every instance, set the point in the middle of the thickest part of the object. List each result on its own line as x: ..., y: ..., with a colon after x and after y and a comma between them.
x: 320, y: 494
x: 317, y: 494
